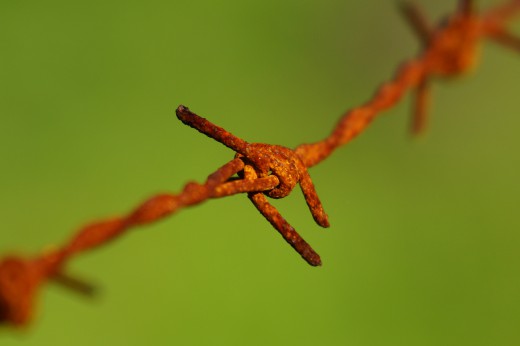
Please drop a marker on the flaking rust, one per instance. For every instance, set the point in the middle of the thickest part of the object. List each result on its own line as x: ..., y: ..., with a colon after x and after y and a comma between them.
x: 265, y: 160
x: 266, y: 170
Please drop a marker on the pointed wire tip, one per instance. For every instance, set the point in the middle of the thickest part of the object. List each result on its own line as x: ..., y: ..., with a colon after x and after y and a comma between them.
x: 181, y: 109
x: 316, y: 262
x: 75, y: 284
x: 184, y: 114
x: 417, y: 20
x: 311, y: 257
x: 324, y: 222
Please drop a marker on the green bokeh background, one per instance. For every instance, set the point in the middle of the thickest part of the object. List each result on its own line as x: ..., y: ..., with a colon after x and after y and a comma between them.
x: 424, y: 243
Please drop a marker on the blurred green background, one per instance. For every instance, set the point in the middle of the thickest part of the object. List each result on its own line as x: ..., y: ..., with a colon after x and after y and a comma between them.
x: 424, y: 243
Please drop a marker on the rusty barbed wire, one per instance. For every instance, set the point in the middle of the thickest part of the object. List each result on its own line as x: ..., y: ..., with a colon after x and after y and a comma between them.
x: 264, y: 170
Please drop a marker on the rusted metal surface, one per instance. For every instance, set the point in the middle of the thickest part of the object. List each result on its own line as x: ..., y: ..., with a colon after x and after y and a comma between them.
x: 264, y: 170
x: 263, y: 161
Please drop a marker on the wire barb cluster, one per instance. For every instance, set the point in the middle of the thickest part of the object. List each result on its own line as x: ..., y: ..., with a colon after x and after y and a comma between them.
x: 264, y: 170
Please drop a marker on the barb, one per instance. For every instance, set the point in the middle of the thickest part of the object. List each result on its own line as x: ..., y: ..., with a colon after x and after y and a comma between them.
x: 417, y: 20
x: 264, y: 170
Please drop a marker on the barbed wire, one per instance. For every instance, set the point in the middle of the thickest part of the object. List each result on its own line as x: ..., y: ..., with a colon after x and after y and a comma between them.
x: 263, y: 170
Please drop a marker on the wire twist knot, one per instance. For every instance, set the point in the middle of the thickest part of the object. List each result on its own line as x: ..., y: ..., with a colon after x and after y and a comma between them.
x: 275, y: 160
